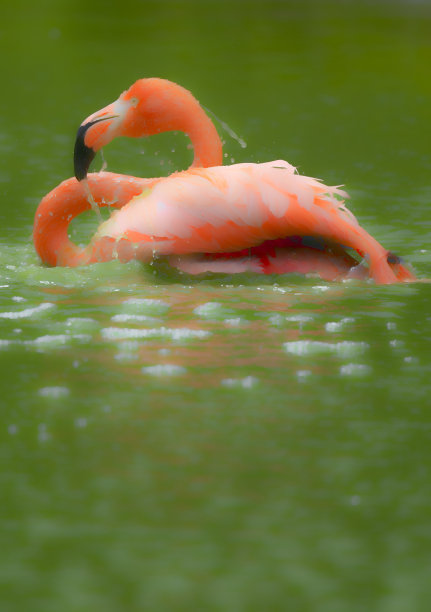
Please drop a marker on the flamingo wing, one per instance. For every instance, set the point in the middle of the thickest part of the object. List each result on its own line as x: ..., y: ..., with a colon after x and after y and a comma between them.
x: 227, y: 209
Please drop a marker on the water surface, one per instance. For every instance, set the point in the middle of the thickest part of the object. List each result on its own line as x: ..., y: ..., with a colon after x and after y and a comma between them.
x: 222, y: 443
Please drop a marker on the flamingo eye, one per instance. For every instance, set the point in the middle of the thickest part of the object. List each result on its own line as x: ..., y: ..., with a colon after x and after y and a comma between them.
x: 133, y: 101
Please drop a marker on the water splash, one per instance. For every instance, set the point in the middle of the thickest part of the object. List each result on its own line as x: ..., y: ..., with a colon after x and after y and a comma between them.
x: 90, y: 199
x: 227, y: 129
x: 104, y: 162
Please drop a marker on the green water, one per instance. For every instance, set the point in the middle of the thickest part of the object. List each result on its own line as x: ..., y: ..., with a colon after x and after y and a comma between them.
x: 231, y: 444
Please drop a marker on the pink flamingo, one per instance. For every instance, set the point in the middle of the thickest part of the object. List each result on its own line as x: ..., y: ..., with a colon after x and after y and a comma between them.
x: 263, y: 218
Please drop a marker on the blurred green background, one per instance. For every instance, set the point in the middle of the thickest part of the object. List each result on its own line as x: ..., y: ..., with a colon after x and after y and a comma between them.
x: 256, y: 479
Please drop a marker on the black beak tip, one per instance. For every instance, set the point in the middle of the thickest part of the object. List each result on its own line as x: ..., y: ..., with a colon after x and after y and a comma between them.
x: 83, y: 155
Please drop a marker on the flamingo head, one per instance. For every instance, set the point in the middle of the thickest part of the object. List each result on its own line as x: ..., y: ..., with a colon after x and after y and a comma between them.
x: 148, y: 107
x: 97, y: 131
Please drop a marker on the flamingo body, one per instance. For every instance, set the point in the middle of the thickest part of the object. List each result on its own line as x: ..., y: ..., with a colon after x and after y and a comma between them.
x: 262, y: 218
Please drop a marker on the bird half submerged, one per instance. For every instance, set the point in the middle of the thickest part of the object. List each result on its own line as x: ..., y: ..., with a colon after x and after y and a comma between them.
x: 262, y: 218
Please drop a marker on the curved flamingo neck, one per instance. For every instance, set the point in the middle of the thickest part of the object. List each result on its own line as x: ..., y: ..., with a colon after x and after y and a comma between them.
x: 68, y: 200
x: 205, y: 140
x: 165, y: 106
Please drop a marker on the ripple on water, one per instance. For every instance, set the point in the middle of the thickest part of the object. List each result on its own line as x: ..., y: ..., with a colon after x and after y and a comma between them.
x: 355, y: 369
x: 165, y: 369
x: 5, y: 344
x: 302, y: 375
x: 129, y: 346
x: 235, y: 322
x: 411, y: 359
x: 28, y: 313
x: 337, y: 326
x: 42, y: 433
x: 276, y: 319
x: 177, y: 334
x: 133, y: 318
x: 396, y: 343
x: 149, y: 306
x: 126, y: 356
x: 212, y: 310
x: 300, y: 318
x: 50, y: 341
x: 54, y: 392
x: 245, y: 383
x: 81, y: 324
x: 316, y: 347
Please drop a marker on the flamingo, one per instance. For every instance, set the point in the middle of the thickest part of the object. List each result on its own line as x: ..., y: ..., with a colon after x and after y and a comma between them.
x: 263, y: 218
